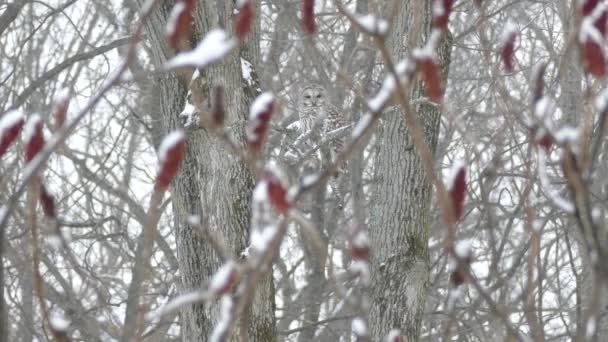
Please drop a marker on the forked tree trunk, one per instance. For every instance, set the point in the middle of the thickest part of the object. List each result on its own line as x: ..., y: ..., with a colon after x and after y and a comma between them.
x: 400, y: 214
x: 212, y: 183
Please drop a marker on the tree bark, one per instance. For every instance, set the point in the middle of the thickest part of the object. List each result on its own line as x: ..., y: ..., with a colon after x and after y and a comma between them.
x: 400, y: 215
x: 212, y: 183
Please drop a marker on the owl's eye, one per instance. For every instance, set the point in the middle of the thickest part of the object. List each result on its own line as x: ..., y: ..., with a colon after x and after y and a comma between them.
x: 318, y: 95
x: 307, y: 96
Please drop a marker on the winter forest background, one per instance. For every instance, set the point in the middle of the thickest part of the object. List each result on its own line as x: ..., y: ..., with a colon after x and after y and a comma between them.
x: 155, y: 184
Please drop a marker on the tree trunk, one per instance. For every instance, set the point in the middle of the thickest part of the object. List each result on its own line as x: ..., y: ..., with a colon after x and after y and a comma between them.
x: 212, y: 183
x: 400, y: 214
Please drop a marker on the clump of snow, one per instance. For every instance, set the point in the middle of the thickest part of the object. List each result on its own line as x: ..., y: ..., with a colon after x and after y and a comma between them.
x: 54, y: 241
x: 591, y: 326
x: 30, y: 127
x: 309, y: 179
x: 508, y: 32
x: 9, y: 120
x: 221, y: 278
x: 588, y: 31
x: 261, y: 238
x: 393, y: 335
x: 364, y: 122
x: 389, y: 85
x: 359, y: 327
x: 247, y: 70
x: 223, y: 324
x: 194, y: 220
x: 428, y: 50
x: 361, y: 268
x: 62, y: 95
x: 455, y: 294
x: 601, y: 101
x: 567, y: 135
x: 215, y: 46
x: 3, y: 212
x: 452, y: 173
x: 544, y: 108
x: 260, y: 105
x: 438, y: 9
x: 372, y: 24
x: 168, y: 143
x: 260, y: 192
x: 361, y: 239
x: 176, y: 11
x: 462, y: 249
x: 188, y: 115
x: 59, y: 322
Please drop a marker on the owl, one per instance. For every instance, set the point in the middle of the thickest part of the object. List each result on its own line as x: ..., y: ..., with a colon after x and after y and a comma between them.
x: 318, y: 117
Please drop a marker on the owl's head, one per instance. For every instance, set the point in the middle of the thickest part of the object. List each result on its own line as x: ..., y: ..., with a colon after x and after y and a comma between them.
x: 313, y: 95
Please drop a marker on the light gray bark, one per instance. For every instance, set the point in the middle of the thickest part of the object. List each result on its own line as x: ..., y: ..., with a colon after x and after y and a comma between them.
x: 212, y: 183
x: 571, y: 103
x: 400, y: 213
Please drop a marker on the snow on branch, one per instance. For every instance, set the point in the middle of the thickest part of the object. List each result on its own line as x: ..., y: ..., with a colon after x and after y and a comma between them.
x: 359, y: 327
x: 176, y: 303
x: 224, y: 280
x: 215, y: 46
x: 221, y: 329
x: 368, y: 23
x: 552, y: 195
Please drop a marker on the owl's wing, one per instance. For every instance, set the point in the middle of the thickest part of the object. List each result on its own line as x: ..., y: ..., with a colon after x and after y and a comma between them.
x: 333, y: 121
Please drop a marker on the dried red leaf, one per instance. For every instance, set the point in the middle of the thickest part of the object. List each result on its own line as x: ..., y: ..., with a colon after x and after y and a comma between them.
x: 459, y: 276
x: 589, y: 6
x: 60, y: 109
x: 441, y: 13
x: 308, y: 16
x: 593, y: 58
x: 394, y: 336
x: 11, y: 124
x: 244, y: 20
x: 218, y: 112
x: 34, y: 137
x: 171, y: 154
x: 48, y: 202
x: 179, y: 24
x: 277, y: 190
x: 458, y: 192
x: 259, y: 120
x: 545, y: 141
x: 539, y: 82
x: 507, y: 50
x: 541, y: 138
x: 431, y: 75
